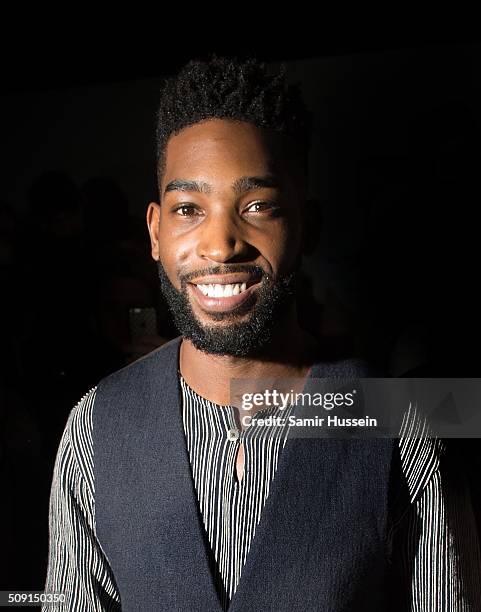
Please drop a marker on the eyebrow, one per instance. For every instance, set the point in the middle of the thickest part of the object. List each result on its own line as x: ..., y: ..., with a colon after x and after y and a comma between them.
x: 240, y: 186
x: 248, y: 183
x: 185, y: 185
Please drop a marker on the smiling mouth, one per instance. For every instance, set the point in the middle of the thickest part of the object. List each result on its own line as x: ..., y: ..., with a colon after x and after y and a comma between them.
x: 220, y: 291
x: 223, y: 297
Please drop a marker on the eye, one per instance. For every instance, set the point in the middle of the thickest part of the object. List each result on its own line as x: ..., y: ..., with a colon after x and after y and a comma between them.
x: 261, y: 206
x: 186, y: 210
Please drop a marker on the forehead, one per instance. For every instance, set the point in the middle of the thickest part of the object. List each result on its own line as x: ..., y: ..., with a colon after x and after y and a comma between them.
x: 219, y: 149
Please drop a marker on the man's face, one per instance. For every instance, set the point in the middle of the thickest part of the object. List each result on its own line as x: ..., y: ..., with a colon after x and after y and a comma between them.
x: 227, y: 235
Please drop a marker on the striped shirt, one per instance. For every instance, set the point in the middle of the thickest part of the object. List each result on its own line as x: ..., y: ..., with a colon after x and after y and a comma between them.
x: 434, y: 541
x: 230, y: 509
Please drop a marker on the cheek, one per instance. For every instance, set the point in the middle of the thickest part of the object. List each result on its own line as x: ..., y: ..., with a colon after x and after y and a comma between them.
x: 174, y: 253
x: 167, y: 256
x: 281, y: 248
x: 175, y: 243
x: 177, y: 252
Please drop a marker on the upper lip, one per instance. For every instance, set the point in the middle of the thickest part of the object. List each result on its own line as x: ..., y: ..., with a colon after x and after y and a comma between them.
x: 226, y: 279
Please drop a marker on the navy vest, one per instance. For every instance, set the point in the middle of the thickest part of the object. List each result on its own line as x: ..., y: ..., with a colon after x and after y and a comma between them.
x: 322, y: 540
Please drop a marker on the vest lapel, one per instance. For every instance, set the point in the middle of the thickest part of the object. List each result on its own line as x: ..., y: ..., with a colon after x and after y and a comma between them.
x: 146, y: 504
x: 194, y: 576
x: 318, y: 544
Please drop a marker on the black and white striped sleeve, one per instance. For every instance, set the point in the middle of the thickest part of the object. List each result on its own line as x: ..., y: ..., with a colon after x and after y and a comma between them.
x: 436, y: 540
x: 77, y: 565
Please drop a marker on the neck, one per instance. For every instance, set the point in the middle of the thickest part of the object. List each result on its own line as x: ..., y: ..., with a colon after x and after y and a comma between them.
x: 290, y: 353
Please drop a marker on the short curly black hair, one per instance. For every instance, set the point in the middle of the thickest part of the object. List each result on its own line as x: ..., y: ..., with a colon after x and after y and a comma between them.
x: 229, y: 88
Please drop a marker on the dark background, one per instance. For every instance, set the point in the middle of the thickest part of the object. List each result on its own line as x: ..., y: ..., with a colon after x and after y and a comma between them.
x: 395, y: 167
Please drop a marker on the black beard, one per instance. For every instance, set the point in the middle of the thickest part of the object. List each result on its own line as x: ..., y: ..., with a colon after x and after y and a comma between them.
x: 239, y: 338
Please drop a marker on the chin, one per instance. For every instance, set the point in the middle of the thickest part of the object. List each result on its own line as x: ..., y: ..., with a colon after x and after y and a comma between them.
x: 240, y: 339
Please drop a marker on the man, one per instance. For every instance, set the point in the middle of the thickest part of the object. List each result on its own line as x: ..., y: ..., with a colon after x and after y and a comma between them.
x: 161, y: 499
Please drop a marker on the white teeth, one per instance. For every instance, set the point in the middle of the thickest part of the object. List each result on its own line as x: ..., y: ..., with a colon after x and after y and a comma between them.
x: 216, y: 290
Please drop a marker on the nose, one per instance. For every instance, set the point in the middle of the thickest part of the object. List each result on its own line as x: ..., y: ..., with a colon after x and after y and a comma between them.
x: 221, y: 239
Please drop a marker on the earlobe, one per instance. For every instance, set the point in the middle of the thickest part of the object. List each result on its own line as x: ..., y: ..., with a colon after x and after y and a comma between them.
x: 153, y: 220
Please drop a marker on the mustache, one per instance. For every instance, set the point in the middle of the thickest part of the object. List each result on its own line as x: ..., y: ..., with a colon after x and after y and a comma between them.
x: 254, y: 271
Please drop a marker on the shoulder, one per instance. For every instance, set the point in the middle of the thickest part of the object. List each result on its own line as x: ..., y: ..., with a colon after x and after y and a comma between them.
x: 129, y: 399
x: 350, y: 367
x: 420, y: 451
x: 75, y: 454
x: 79, y: 420
x: 330, y: 359
x: 140, y: 371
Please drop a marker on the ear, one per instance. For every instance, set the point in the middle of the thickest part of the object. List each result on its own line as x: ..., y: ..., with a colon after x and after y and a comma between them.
x: 153, y: 224
x: 312, y: 225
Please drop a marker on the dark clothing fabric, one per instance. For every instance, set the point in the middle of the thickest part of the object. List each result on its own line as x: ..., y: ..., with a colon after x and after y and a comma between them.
x: 126, y: 531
